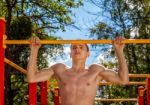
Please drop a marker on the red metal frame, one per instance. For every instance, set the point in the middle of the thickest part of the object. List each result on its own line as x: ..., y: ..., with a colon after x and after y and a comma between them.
x: 141, y: 95
x: 2, y: 32
x: 56, y: 96
x: 44, y: 93
x: 32, y: 94
x: 148, y: 90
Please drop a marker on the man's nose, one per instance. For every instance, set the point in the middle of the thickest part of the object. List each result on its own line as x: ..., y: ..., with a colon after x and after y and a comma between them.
x: 77, y: 49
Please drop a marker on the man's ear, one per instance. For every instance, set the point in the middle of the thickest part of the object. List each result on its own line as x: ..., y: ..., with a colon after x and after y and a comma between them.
x: 70, y: 54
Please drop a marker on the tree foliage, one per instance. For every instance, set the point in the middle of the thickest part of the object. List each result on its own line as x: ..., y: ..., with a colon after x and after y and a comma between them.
x: 131, y: 19
x: 26, y: 18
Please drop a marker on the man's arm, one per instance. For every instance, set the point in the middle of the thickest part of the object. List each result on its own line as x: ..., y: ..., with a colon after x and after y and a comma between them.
x: 122, y: 76
x: 33, y: 74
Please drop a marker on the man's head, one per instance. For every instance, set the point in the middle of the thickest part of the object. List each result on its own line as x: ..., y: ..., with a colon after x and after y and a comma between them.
x: 79, y: 51
x: 87, y: 47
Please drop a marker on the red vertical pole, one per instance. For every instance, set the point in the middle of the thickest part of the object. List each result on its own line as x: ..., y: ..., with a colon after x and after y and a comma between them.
x: 2, y: 32
x: 148, y: 90
x: 32, y: 93
x: 141, y: 95
x: 56, y: 96
x: 44, y: 93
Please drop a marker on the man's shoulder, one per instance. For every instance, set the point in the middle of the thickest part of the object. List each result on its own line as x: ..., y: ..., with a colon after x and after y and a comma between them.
x: 58, y: 66
x: 96, y: 67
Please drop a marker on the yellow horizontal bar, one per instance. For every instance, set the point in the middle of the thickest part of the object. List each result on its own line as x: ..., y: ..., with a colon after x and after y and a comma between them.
x: 15, y: 66
x: 115, y: 100
x: 107, y: 83
x: 130, y: 83
x: 102, y: 41
x: 3, y: 19
x: 139, y: 75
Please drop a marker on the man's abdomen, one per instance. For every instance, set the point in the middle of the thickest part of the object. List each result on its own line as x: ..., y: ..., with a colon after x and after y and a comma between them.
x: 78, y: 97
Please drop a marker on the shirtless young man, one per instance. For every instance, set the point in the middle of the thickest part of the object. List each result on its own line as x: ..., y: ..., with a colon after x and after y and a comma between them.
x: 78, y: 84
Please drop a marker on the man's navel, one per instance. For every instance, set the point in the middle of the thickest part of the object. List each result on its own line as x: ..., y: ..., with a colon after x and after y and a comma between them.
x: 88, y: 84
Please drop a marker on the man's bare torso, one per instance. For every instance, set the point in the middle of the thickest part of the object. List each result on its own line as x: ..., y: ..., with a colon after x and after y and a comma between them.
x: 78, y: 88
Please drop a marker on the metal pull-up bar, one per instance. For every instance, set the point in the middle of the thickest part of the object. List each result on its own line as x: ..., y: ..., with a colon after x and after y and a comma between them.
x: 102, y: 41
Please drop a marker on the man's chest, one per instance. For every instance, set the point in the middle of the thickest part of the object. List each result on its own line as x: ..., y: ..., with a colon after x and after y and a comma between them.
x: 81, y: 79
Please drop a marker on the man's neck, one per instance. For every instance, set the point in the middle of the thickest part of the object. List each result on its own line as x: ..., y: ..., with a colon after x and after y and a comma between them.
x: 78, y: 66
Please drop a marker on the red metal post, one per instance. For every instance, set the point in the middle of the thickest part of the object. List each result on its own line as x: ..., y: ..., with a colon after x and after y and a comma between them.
x: 32, y: 93
x: 56, y: 96
x: 141, y: 95
x: 44, y: 93
x: 2, y: 32
x: 148, y: 90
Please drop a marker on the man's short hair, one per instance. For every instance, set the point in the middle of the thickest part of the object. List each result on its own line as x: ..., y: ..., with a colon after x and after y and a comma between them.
x: 87, y: 47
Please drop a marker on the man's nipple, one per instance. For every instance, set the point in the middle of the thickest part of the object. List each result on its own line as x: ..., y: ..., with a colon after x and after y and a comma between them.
x: 64, y: 84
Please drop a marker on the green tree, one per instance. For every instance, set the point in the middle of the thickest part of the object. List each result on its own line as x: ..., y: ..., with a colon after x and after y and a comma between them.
x: 126, y: 17
x: 32, y: 17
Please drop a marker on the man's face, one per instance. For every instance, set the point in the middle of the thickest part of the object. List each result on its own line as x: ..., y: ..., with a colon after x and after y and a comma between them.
x: 79, y: 51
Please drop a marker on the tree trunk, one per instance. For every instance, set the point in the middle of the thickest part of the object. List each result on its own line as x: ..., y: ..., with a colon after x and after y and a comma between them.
x: 148, y: 57
x: 134, y: 58
x: 8, y: 96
